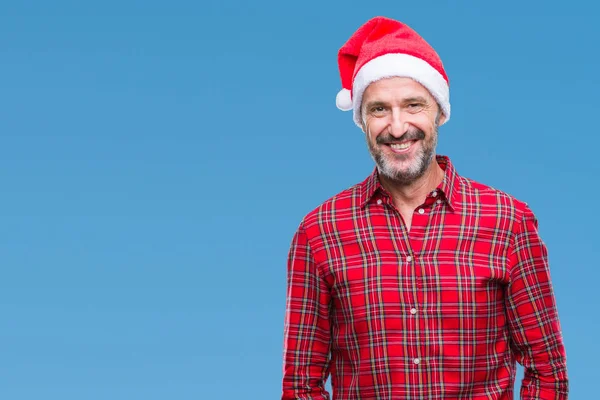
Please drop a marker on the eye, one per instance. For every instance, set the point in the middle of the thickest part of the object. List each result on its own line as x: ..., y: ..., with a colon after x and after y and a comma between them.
x: 414, y: 107
x: 377, y: 110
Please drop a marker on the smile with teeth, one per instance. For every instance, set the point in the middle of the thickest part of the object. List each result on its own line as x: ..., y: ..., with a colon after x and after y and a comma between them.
x: 401, y: 146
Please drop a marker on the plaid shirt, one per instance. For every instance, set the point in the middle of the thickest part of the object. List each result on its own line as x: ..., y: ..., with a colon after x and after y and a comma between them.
x: 440, y: 312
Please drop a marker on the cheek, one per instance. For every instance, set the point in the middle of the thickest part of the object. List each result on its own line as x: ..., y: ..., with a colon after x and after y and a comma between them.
x: 426, y: 124
x: 373, y: 128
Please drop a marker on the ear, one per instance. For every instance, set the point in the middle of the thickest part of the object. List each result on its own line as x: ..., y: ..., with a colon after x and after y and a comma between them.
x: 442, y: 119
x: 363, y: 127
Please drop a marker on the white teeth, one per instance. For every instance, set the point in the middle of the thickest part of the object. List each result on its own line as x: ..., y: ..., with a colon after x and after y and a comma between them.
x: 400, y: 146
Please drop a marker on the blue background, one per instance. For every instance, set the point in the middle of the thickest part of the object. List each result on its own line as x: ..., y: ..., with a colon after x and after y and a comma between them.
x: 156, y: 158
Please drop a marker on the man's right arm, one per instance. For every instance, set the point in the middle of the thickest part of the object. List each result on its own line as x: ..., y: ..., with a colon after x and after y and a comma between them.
x: 306, y: 330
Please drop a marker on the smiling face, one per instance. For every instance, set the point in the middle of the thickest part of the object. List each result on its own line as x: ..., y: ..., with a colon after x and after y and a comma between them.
x: 400, y: 119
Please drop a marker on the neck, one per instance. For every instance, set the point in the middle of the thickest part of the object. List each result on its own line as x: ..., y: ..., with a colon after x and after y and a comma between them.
x: 410, y: 195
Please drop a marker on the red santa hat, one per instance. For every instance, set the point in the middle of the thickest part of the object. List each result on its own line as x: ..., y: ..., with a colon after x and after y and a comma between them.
x: 384, y: 48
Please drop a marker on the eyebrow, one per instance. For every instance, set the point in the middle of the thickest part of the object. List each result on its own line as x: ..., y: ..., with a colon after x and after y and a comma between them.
x: 415, y: 99
x: 372, y: 104
x: 408, y: 100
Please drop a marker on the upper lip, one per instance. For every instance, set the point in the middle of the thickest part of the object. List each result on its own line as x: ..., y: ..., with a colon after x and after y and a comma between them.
x: 403, y: 141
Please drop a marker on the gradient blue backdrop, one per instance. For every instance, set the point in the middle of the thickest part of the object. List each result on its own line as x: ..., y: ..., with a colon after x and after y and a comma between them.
x: 156, y: 158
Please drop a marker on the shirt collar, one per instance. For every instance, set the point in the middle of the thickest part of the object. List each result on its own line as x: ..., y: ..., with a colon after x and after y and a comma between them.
x: 449, y: 186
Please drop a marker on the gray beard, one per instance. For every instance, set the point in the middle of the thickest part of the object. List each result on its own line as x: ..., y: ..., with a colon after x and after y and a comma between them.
x: 417, y: 169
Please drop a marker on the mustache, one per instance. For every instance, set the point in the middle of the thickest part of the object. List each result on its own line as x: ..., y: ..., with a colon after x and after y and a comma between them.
x: 411, y: 134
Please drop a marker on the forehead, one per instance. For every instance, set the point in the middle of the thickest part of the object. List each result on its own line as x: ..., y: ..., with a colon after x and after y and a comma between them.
x: 395, y: 89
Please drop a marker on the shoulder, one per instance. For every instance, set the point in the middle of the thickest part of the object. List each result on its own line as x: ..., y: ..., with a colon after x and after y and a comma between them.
x: 492, y: 199
x: 342, y: 205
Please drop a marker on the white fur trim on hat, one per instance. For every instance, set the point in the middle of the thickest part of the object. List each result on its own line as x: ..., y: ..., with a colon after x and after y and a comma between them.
x: 403, y: 65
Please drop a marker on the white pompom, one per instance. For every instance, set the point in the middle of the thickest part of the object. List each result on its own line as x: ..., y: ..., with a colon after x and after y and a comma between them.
x: 343, y: 100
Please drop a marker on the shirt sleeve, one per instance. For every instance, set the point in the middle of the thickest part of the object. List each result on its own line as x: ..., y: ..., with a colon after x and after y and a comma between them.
x: 536, y: 337
x: 306, y: 328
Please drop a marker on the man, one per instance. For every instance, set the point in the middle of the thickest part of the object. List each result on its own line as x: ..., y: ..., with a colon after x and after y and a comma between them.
x: 417, y: 283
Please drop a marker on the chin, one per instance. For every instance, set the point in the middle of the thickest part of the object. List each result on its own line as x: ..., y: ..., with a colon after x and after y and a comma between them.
x: 406, y: 172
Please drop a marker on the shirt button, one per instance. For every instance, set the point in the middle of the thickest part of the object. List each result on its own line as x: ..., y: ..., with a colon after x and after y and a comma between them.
x: 413, y: 311
x: 408, y: 258
x: 417, y: 361
x: 439, y: 201
x: 421, y: 211
x: 434, y: 193
x: 379, y: 201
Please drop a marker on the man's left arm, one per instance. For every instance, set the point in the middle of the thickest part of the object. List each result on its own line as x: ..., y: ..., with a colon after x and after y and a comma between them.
x: 533, y: 318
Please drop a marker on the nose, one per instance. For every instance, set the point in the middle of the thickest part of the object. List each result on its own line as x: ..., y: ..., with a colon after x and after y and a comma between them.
x: 398, y: 123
